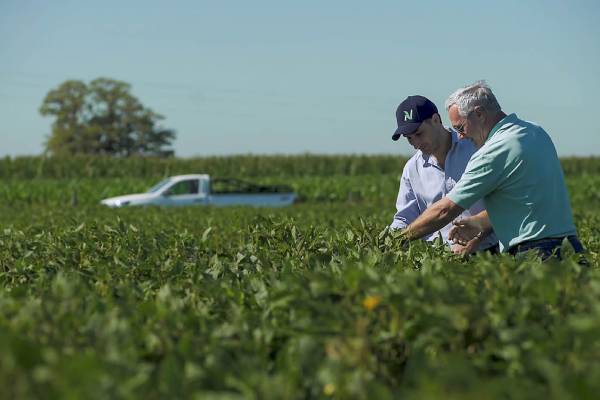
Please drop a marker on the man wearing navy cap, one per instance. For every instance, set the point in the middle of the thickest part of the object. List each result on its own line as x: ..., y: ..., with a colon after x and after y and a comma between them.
x: 516, y: 171
x: 433, y: 171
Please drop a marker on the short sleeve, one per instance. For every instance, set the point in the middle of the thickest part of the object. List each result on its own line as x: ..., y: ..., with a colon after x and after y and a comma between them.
x: 480, y: 178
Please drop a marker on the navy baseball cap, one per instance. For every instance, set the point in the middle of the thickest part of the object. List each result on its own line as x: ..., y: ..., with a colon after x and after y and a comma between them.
x: 411, y: 112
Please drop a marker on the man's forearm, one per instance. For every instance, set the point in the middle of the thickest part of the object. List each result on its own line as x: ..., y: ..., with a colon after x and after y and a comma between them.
x: 438, y: 215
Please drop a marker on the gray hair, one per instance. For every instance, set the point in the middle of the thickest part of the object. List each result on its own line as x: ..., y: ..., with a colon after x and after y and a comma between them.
x: 467, y: 98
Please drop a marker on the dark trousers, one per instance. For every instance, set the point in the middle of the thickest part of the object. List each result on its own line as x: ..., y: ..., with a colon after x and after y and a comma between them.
x: 493, y: 250
x: 547, y: 248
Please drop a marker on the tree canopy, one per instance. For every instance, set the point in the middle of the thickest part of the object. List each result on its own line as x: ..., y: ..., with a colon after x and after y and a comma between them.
x: 103, y: 118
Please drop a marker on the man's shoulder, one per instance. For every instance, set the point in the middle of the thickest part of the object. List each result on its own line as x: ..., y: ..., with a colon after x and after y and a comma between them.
x: 516, y: 122
x: 513, y: 128
x: 495, y: 154
x: 413, y: 161
x: 512, y: 139
x: 535, y: 133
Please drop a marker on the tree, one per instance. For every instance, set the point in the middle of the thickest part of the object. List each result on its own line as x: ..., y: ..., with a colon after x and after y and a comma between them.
x: 103, y: 118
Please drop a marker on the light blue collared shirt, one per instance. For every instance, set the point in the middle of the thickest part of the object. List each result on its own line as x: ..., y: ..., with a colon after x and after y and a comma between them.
x: 424, y: 182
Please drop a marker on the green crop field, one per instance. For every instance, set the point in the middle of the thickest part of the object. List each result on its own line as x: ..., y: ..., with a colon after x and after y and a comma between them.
x: 315, y: 300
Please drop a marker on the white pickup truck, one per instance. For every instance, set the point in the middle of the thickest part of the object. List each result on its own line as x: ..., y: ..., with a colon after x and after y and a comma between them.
x: 184, y: 190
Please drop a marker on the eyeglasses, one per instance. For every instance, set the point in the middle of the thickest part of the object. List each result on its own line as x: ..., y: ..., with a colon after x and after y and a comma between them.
x: 460, y: 128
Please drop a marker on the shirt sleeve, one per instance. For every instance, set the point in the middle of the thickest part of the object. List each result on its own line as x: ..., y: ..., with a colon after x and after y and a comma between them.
x: 406, y: 205
x: 480, y: 178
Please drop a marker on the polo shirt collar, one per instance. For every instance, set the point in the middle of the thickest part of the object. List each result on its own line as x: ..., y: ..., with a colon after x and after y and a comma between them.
x: 509, y: 119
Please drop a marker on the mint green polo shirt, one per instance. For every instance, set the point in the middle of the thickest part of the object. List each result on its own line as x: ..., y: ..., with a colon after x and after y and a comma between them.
x: 519, y: 177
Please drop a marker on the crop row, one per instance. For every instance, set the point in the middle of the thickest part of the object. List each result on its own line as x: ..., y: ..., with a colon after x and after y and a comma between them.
x: 584, y: 190
x: 91, y: 191
x: 241, y: 165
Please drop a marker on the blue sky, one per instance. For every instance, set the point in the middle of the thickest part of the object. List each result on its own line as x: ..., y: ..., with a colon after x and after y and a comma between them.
x: 291, y: 77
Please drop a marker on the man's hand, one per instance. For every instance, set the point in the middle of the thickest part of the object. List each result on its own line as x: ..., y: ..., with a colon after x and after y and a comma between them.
x: 468, y: 248
x: 465, y: 230
x: 434, y: 218
x: 393, y: 234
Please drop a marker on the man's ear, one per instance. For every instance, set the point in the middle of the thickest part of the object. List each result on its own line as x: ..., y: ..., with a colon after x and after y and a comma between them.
x: 478, y: 110
x: 436, y: 119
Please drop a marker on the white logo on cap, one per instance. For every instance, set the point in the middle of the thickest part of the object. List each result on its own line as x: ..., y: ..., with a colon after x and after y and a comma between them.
x: 408, y: 115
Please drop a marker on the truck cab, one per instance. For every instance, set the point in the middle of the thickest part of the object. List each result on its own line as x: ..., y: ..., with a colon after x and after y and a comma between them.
x: 199, y: 189
x: 182, y: 190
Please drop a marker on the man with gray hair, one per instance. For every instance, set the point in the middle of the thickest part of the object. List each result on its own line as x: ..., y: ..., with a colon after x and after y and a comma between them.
x: 515, y: 171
